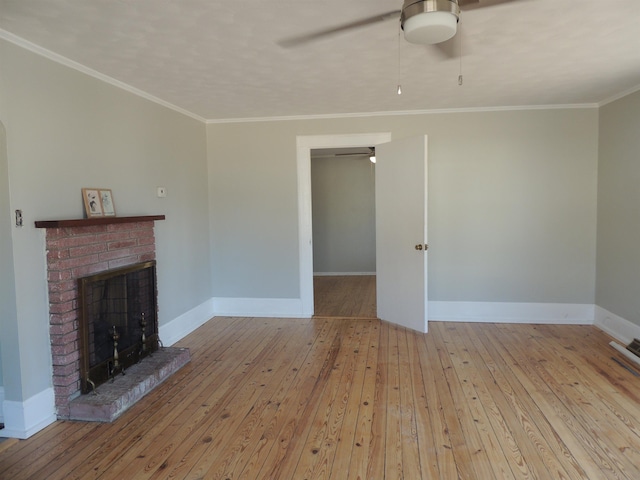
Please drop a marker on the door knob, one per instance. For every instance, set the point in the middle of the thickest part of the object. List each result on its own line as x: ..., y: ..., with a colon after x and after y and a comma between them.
x: 419, y: 246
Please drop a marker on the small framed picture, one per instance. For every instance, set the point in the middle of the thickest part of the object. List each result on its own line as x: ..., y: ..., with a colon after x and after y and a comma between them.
x: 106, y: 199
x: 92, y: 202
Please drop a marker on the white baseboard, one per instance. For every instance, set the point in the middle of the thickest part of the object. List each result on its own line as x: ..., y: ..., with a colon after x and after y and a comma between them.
x: 506, y: 312
x: 23, y: 419
x: 616, y: 326
x: 259, y: 307
x: 339, y: 274
x: 186, y: 323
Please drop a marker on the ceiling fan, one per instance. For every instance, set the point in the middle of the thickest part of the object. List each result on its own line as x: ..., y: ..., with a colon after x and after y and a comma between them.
x: 425, y: 22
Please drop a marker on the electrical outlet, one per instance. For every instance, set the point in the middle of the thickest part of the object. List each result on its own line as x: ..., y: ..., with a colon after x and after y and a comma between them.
x: 162, y: 192
x: 19, y: 221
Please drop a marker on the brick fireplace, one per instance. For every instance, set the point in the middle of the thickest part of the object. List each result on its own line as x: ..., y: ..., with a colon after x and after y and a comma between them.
x: 77, y: 248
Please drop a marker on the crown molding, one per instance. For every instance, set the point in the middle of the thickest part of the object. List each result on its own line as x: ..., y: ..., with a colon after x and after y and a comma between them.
x: 32, y: 47
x: 619, y: 96
x: 405, y: 112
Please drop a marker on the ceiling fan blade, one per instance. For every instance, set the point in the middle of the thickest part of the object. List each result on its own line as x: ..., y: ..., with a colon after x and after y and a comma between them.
x: 302, y: 39
x: 473, y: 4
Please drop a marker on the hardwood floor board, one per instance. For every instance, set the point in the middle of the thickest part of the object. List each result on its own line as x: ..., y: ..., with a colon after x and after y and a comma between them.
x: 577, y: 384
x: 480, y: 466
x: 536, y: 382
x: 141, y: 420
x: 290, y: 398
x: 298, y: 424
x: 393, y: 467
x: 188, y: 431
x: 246, y: 409
x: 504, y: 455
x: 318, y: 452
x: 538, y: 446
x: 256, y: 433
x: 36, y: 456
x: 347, y: 442
x: 411, y: 459
x: 149, y: 419
x: 359, y: 459
x: 438, y: 453
x: 377, y: 440
x: 341, y: 398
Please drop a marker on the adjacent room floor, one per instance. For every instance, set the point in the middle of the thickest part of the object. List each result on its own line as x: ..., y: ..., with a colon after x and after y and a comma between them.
x: 352, y: 296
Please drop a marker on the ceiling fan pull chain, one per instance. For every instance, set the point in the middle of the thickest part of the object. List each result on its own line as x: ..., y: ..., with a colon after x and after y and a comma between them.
x: 460, y: 80
x: 399, y: 91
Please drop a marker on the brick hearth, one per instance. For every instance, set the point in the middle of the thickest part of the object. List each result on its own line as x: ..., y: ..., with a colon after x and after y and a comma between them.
x: 74, y: 252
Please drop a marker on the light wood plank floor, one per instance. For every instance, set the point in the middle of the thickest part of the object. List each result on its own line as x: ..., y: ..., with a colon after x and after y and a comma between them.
x: 362, y: 399
x: 352, y: 296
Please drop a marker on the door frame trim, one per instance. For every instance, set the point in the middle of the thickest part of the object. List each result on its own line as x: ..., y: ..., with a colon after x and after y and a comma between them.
x: 304, y: 145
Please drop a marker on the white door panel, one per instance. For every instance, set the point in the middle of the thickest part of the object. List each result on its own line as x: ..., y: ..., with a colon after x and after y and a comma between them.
x: 401, y: 226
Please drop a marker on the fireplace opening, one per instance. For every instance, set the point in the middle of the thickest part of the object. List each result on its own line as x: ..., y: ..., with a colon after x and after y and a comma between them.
x: 118, y: 324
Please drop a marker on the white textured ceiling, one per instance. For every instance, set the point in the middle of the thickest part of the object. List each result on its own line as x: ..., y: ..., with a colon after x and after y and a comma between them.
x: 221, y: 60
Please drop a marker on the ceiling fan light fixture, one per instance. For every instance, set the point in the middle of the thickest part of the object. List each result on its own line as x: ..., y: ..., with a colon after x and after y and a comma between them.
x: 427, y: 22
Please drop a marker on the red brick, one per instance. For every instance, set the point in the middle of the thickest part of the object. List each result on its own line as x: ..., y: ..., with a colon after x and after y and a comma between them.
x: 86, y: 250
x: 59, y: 275
x: 67, y: 390
x: 63, y: 411
x: 112, y: 237
x: 123, y: 262
x: 62, y: 307
x: 62, y: 318
x: 120, y: 227
x: 63, y: 286
x: 148, y: 256
x: 115, y: 254
x: 64, y: 350
x: 70, y: 369
x: 65, y: 359
x: 75, y: 262
x: 58, y: 330
x: 73, y: 231
x: 119, y: 245
x: 68, y: 242
x: 57, y: 253
x: 61, y: 297
x: 90, y: 269
x: 70, y: 337
x: 65, y: 382
x: 142, y: 249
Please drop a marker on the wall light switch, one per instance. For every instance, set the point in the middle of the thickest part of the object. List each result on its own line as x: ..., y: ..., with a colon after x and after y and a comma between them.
x: 162, y: 192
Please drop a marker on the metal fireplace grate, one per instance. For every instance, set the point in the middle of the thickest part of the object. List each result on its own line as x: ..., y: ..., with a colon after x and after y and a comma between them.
x: 118, y: 321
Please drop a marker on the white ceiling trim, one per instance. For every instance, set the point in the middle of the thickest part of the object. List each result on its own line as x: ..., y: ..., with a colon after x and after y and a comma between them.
x: 32, y: 47
x: 406, y: 112
x: 619, y: 96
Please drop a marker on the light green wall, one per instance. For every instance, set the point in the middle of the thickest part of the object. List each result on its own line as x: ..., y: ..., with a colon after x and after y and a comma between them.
x: 8, y: 325
x: 66, y: 130
x: 512, y: 203
x: 618, y: 261
x: 344, y: 220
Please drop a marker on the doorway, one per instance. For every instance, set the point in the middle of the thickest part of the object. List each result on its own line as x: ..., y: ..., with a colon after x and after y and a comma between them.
x: 304, y: 146
x: 343, y: 225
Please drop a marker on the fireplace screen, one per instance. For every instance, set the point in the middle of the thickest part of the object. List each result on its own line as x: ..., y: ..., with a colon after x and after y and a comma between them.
x: 118, y: 321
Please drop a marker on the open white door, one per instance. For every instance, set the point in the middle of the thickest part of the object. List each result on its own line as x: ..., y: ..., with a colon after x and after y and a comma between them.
x: 401, y: 232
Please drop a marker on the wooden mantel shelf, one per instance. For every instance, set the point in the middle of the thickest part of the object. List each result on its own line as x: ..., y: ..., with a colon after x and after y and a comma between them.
x: 88, y: 222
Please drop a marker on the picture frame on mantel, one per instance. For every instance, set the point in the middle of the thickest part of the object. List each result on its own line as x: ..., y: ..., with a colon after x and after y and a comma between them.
x: 92, y: 202
x: 106, y: 200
